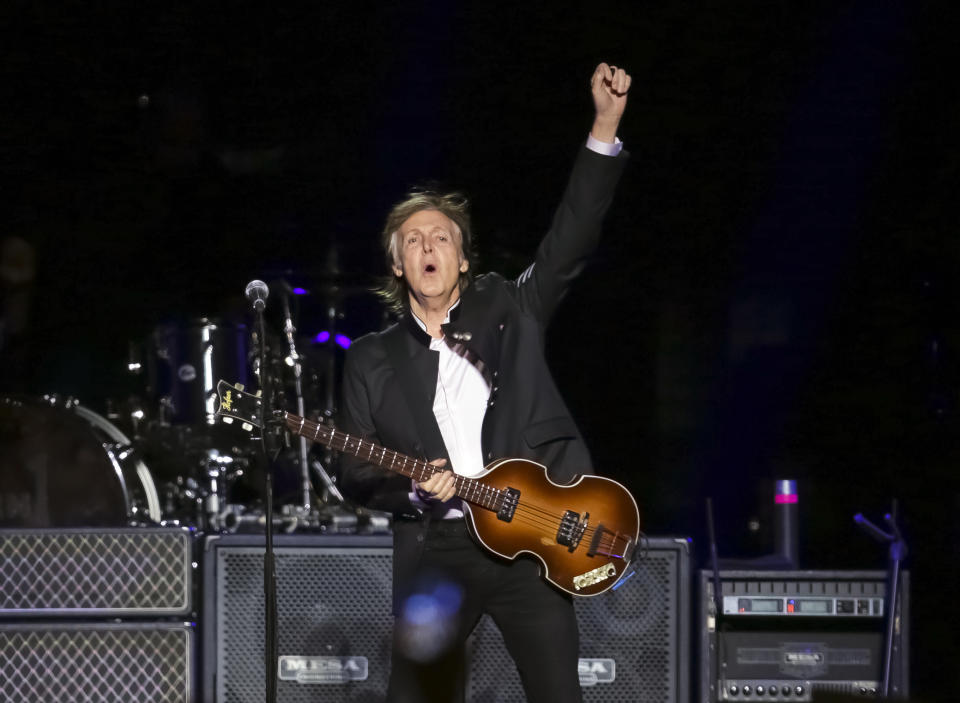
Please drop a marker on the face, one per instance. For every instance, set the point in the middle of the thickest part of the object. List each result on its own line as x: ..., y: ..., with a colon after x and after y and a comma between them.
x: 431, y: 256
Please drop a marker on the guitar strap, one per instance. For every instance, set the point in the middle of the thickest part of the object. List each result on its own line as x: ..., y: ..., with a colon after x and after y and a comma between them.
x: 414, y: 384
x: 414, y: 381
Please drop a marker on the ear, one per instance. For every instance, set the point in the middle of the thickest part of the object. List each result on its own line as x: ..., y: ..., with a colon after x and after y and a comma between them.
x: 398, y: 271
x: 464, y: 265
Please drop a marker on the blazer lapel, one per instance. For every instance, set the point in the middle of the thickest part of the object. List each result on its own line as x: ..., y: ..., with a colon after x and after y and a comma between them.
x: 416, y: 367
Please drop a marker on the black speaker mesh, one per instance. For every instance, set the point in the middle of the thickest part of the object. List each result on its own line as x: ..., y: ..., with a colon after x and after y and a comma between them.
x: 636, y: 634
x: 331, y: 602
x: 94, y: 572
x: 96, y: 663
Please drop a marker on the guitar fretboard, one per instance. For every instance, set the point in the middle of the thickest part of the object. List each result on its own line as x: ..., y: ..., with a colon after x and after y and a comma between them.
x: 471, y: 490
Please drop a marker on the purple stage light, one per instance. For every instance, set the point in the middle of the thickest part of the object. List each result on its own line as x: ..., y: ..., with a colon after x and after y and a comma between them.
x: 299, y: 291
x: 624, y: 580
x: 341, y: 340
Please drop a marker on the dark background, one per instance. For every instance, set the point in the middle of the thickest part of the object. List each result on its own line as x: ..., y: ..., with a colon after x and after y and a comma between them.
x: 775, y: 297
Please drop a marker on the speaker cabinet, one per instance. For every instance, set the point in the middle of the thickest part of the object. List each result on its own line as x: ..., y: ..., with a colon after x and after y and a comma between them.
x: 333, y: 611
x: 335, y: 626
x: 799, y: 634
x: 97, y: 662
x: 95, y: 572
x: 634, y: 639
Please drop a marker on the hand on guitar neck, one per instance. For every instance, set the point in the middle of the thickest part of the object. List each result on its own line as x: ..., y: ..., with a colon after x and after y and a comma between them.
x: 440, y: 487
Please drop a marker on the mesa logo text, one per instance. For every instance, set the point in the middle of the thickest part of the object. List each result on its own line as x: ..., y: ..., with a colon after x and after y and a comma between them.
x: 323, y: 669
x: 594, y: 671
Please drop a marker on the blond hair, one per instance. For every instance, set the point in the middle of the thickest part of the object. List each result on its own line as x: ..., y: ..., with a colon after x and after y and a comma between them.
x: 394, y: 290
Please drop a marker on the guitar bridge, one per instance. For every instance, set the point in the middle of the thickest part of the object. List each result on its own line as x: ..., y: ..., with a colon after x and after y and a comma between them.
x: 628, y: 548
x: 511, y: 496
x: 572, y: 529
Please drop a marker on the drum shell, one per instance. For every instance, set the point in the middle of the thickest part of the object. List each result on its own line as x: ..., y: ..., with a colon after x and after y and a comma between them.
x: 185, y: 362
x: 62, y: 465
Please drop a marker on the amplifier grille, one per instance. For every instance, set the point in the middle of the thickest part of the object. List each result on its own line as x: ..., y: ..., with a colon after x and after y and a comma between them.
x: 333, y: 601
x: 94, y: 572
x: 641, y: 627
x: 99, y: 663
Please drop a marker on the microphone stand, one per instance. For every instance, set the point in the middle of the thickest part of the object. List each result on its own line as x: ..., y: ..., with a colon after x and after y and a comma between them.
x: 270, y: 645
x: 897, y: 553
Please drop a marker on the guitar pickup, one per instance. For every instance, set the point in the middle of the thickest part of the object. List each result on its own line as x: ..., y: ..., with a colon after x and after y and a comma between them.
x: 571, y: 529
x: 511, y: 496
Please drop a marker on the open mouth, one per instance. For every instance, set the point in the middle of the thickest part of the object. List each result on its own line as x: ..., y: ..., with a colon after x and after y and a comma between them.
x: 430, y: 268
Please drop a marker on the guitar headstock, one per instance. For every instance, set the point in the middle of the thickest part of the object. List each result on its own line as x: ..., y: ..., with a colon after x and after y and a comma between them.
x: 237, y: 404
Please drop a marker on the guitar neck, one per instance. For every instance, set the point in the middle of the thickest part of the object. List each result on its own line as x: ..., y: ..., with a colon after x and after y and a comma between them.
x: 467, y: 489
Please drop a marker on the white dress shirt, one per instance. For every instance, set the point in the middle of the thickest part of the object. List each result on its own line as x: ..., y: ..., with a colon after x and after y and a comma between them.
x: 460, y: 401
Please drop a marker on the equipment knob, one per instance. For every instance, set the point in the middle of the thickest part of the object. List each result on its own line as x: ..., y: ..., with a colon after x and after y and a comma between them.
x: 760, y: 690
x: 785, y: 690
x: 734, y: 690
x: 747, y: 690
x: 798, y: 690
x: 773, y: 690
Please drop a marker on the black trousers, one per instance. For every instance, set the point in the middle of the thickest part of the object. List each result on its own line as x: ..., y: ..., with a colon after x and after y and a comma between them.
x: 457, y: 583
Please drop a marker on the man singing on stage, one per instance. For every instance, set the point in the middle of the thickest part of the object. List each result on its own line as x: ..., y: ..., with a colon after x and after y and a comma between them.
x: 462, y: 380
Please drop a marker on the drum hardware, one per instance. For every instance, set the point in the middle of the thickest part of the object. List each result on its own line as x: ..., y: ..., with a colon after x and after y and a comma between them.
x: 293, y: 360
x: 129, y: 414
x: 236, y: 518
x: 198, y: 470
x: 184, y: 363
x: 182, y: 503
x: 219, y: 472
x: 71, y: 466
x: 327, y: 480
x: 335, y: 520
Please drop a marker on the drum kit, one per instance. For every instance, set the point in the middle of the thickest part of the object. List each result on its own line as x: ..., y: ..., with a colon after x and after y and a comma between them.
x: 162, y: 457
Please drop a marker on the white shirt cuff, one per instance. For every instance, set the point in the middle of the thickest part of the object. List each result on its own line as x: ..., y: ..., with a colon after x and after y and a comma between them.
x: 605, y: 148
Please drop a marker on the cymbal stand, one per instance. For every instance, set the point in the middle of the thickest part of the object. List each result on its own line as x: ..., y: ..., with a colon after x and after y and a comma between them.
x: 293, y: 359
x: 330, y: 374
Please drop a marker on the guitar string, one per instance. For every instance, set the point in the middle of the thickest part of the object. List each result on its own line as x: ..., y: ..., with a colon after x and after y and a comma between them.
x: 488, y: 495
x: 550, y: 515
x: 606, y: 545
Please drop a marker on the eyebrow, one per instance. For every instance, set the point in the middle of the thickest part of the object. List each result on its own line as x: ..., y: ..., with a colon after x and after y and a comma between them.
x: 417, y: 230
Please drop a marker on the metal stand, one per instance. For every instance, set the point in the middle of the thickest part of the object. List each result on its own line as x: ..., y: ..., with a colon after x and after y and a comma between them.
x: 306, y: 465
x: 897, y: 553
x: 293, y: 359
x: 257, y: 294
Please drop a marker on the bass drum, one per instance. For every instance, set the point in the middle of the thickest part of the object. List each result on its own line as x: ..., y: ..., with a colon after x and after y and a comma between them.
x: 62, y: 465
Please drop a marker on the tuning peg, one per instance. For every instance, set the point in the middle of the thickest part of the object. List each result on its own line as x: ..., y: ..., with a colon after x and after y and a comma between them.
x: 238, y: 386
x: 227, y: 420
x: 247, y: 426
x: 259, y: 394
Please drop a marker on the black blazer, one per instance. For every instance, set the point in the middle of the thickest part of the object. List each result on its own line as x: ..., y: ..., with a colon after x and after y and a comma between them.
x: 503, y: 323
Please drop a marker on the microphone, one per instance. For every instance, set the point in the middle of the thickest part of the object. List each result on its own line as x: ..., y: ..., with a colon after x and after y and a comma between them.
x: 257, y: 293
